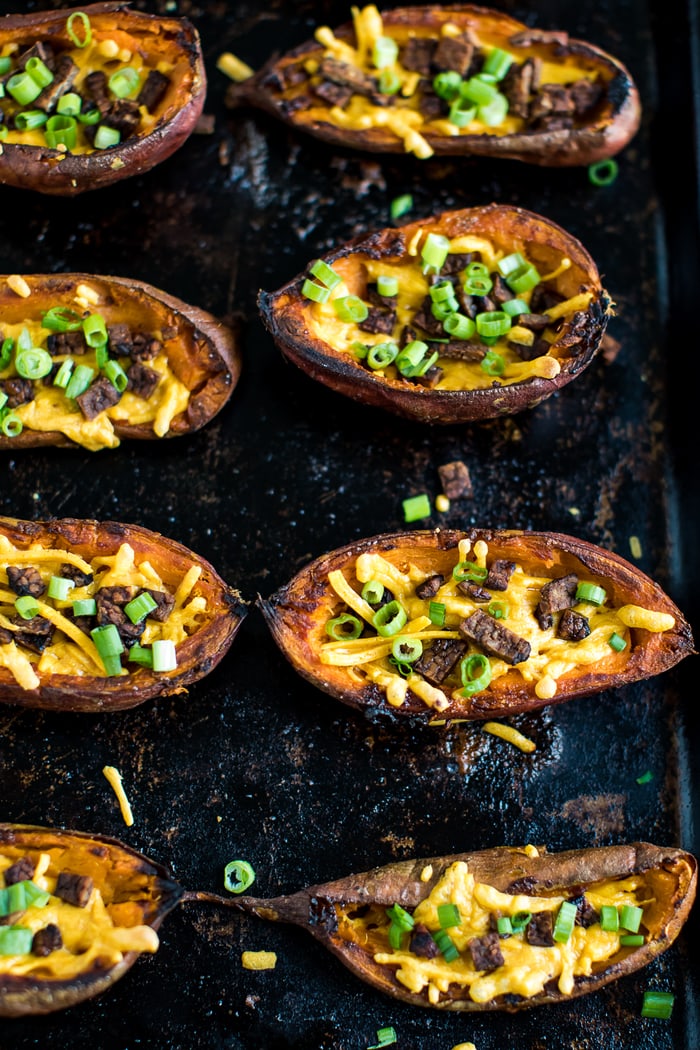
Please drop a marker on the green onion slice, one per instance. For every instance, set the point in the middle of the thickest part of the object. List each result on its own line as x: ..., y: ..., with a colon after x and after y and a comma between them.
x: 6, y: 350
x: 385, y: 52
x: 436, y: 612
x: 632, y: 940
x: 515, y: 307
x: 590, y: 592
x: 360, y: 350
x: 10, y: 424
x: 448, y: 916
x: 504, y: 925
x: 61, y: 319
x: 469, y: 570
x: 164, y: 655
x: 345, y: 627
x: 15, y: 940
x: 616, y: 642
x: 658, y: 1004
x: 442, y: 291
x: 387, y: 285
x: 95, y: 330
x: 389, y: 82
x: 520, y: 920
x: 386, y: 1037
x: 434, y: 251
x: 39, y: 72
x: 459, y: 326
x: 5, y: 65
x: 23, y: 88
x: 645, y: 777
x: 494, y: 112
x: 69, y: 105
x: 396, y: 936
x: 124, y: 82
x: 84, y: 38
x: 476, y: 673
x: 497, y: 63
x: 141, y: 654
x: 27, y: 606
x: 462, y: 112
x: 499, y: 610
x: 510, y: 264
x: 351, y: 309
x: 106, y: 137
x: 609, y: 918
x: 493, y: 322
x: 90, y: 117
x: 61, y: 130
x: 325, y: 274
x: 316, y: 292
x: 85, y: 607
x: 62, y: 377
x: 412, y: 361
x: 493, y: 364
x: 442, y: 310
x: 389, y: 620
x: 116, y: 374
x: 29, y: 119
x: 238, y: 876
x: 630, y: 917
x: 3, y: 401
x: 107, y: 640
x: 373, y: 592
x: 79, y: 381
x: 407, y: 650
x: 60, y: 588
x: 401, y: 205
x: 416, y: 507
x: 139, y: 608
x: 478, y: 284
x: 403, y: 919
x: 447, y: 85
x: 4, y: 130
x: 34, y: 363
x: 446, y: 945
x: 564, y: 922
x: 381, y: 355
x: 603, y: 172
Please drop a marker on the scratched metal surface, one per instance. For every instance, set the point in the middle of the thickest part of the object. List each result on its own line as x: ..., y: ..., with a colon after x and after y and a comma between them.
x: 254, y: 762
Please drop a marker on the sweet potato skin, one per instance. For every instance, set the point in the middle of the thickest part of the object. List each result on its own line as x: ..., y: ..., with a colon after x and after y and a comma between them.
x: 603, y: 137
x: 49, y: 171
x: 197, y: 655
x: 296, y: 615
x: 510, y: 870
x: 206, y: 358
x: 109, y: 862
x: 284, y: 313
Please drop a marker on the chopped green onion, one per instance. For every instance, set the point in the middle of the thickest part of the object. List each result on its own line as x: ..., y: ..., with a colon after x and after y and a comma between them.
x: 416, y: 507
x: 4, y: 131
x: 510, y: 264
x: 141, y: 654
x: 434, y: 251
x: 504, y: 925
x: 61, y: 319
x: 387, y: 286
x: 564, y: 922
x: 493, y: 322
x: 124, y: 82
x: 325, y: 274
x: 645, y: 777
x: 478, y: 284
x: 401, y: 918
x: 11, y: 425
x: 436, y: 612
x: 116, y: 374
x: 164, y: 655
x: 61, y: 130
x: 238, y: 876
x: 497, y: 63
x: 85, y: 607
x: 39, y: 72
x: 476, y: 673
x: 609, y: 918
x: 106, y: 137
x: 139, y: 608
x: 469, y: 570
x: 630, y: 917
x: 6, y: 350
x: 403, y: 669
x: 493, y: 364
x: 385, y: 52
x: 632, y: 940
x: 515, y: 307
x: 29, y: 119
x: 386, y: 1037
x: 462, y: 112
x: 616, y: 642
x: 90, y: 117
x: 477, y: 90
x: 34, y: 363
x: 316, y: 292
x: 69, y: 105
x: 447, y: 85
x: 79, y: 381
x: 523, y: 280
x: 520, y: 920
x: 5, y: 65
x: 23, y: 88
x: 382, y: 354
x: 107, y: 640
x: 442, y: 291
x: 459, y: 326
x: 360, y: 350
x: 351, y: 309
x: 412, y: 360
x: 495, y: 111
x: 86, y: 30
x: 477, y: 269
x: 389, y: 620
x: 499, y: 610
x: 62, y: 377
x: 396, y: 936
x: 15, y: 940
x: 27, y: 606
x: 441, y: 311
x: 658, y: 1004
x: 22, y: 895
x: 389, y: 82
x: 95, y: 330
x: 603, y: 172
x: 446, y: 945
x: 589, y: 592
x: 102, y: 356
x: 345, y: 627
x: 373, y: 592
x: 60, y: 587
x: 407, y: 650
x: 448, y: 916
x: 400, y: 205
x: 24, y: 340
x: 3, y: 400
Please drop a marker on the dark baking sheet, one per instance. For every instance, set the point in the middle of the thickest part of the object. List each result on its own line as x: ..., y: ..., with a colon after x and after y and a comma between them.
x: 254, y: 762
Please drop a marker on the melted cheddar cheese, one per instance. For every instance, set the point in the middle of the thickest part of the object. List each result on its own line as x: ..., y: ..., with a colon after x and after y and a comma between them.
x: 526, y: 968
x: 71, y: 651
x: 551, y: 658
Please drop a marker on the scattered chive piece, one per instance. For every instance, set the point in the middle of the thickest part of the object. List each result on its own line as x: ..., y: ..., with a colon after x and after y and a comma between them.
x: 15, y: 940
x: 95, y: 330
x: 61, y: 130
x: 27, y: 606
x: 106, y: 137
x: 85, y: 607
x: 164, y: 655
x: 609, y: 918
x: 325, y: 274
x: 434, y: 251
x: 10, y: 424
x: 448, y: 916
x: 79, y: 381
x: 139, y: 608
x: 616, y: 642
x: 493, y: 364
x: 645, y: 777
x: 141, y: 654
x: 389, y: 620
x: 499, y: 610
x: 343, y: 628
x: 630, y: 918
x: 564, y: 922
x: 407, y: 650
x: 385, y: 52
x: 386, y: 1037
x: 416, y: 507
x: 60, y: 587
x: 116, y: 374
x: 446, y: 945
x: 316, y: 292
x: 372, y: 592
x: 632, y: 940
x: 238, y: 876
x: 387, y: 286
x: 351, y: 309
x: 603, y: 172
x: 436, y: 612
x: 589, y: 592
x: 4, y: 130
x: 62, y: 377
x: 124, y: 82
x: 520, y: 920
x: 401, y: 917
x: 504, y: 925
x: 86, y: 30
x: 401, y: 205
x: 469, y: 570
x: 476, y: 673
x: 34, y: 363
x: 382, y: 354
x: 23, y: 88
x: 658, y: 1004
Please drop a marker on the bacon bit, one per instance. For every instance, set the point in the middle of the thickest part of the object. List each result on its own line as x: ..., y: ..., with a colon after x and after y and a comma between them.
x: 19, y: 286
x: 233, y: 67
x: 258, y: 960
x: 509, y: 734
x: 115, y: 782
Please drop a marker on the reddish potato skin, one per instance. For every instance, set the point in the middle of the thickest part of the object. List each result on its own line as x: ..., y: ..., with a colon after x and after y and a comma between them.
x: 284, y: 314
x: 197, y: 656
x: 509, y: 870
x: 296, y: 615
x: 47, y: 170
x: 603, y: 138
x: 208, y: 360
x: 150, y: 884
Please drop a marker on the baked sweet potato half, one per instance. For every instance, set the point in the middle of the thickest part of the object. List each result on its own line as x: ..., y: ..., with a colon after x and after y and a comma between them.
x: 454, y: 80
x: 91, y: 360
x: 472, y: 625
x: 465, y: 315
x: 77, y: 911
x: 500, y: 929
x: 95, y: 94
x: 100, y: 616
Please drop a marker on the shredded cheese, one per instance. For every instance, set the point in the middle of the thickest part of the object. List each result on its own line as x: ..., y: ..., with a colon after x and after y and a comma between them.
x: 114, y: 780
x: 510, y: 734
x: 258, y: 960
x: 233, y: 67
x: 19, y: 286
